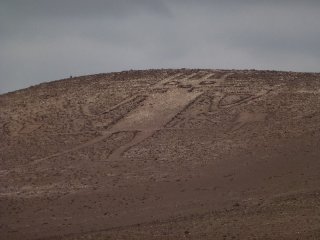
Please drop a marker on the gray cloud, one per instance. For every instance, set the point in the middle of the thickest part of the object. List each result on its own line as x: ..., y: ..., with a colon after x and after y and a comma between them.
x: 42, y: 40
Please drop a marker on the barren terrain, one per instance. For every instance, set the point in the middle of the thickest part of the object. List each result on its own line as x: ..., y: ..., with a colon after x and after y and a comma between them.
x: 162, y: 154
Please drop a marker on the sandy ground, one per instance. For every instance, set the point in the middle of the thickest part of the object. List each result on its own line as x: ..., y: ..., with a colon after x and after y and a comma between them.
x: 162, y: 154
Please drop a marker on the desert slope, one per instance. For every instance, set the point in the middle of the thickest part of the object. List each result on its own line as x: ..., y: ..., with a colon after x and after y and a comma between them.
x: 162, y: 154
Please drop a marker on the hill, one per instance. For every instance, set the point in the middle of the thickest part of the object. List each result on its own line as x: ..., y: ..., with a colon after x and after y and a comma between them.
x: 162, y: 154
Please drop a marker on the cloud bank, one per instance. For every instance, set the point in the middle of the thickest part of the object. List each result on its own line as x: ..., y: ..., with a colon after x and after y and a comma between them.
x: 43, y: 40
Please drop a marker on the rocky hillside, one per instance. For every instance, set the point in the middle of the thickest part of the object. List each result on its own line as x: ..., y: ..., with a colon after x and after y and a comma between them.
x: 162, y: 154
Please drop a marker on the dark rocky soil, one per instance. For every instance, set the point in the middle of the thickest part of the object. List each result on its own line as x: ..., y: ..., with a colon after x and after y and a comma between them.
x: 162, y: 154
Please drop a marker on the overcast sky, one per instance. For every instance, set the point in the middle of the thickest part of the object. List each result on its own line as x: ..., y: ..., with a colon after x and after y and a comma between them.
x: 44, y: 40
